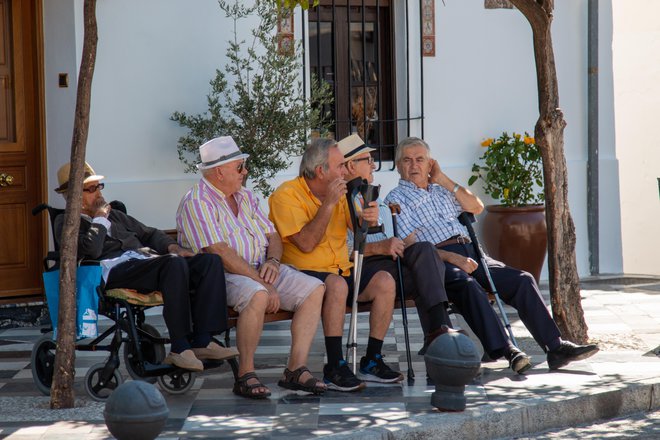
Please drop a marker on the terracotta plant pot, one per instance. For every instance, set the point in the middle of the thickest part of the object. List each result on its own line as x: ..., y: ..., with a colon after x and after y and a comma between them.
x: 516, y: 236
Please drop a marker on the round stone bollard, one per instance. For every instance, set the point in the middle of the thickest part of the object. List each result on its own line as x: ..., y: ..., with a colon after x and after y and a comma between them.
x: 452, y: 361
x: 136, y: 410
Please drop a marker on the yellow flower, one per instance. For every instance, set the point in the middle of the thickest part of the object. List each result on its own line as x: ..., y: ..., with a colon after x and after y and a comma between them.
x: 529, y: 140
x: 516, y: 135
x: 487, y: 142
x: 505, y: 193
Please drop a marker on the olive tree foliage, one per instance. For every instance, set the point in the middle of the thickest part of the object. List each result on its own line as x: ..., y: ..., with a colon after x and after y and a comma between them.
x: 258, y: 99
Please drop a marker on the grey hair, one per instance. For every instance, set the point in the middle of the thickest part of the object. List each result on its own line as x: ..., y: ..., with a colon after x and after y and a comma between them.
x: 314, y: 156
x: 409, y: 142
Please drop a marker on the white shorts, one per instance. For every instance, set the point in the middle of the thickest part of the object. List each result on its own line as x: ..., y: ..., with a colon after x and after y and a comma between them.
x: 293, y: 287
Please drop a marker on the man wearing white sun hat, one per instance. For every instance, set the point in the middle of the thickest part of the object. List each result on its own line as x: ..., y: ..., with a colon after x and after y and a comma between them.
x: 218, y: 215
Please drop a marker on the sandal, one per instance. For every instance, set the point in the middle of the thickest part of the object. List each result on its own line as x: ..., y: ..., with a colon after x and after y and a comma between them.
x: 291, y: 381
x: 243, y: 389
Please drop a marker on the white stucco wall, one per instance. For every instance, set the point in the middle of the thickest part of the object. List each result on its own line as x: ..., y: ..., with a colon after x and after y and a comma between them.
x: 157, y: 56
x: 153, y: 57
x: 635, y: 46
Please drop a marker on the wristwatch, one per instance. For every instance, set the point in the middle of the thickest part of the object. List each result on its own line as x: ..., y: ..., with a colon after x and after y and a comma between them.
x: 456, y: 188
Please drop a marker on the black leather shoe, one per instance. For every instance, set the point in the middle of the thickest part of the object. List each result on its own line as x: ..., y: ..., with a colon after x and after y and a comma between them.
x: 569, y: 352
x: 519, y: 361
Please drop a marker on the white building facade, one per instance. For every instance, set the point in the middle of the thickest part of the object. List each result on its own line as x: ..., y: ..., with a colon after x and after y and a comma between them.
x: 157, y: 56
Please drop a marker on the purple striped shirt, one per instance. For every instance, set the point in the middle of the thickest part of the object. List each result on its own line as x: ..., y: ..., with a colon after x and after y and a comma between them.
x: 205, y: 218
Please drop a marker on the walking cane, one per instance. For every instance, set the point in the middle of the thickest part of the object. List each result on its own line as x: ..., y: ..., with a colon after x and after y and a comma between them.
x: 466, y: 219
x: 395, y: 209
x: 357, y: 187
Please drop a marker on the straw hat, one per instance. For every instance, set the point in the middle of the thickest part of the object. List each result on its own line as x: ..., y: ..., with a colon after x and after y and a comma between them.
x: 219, y: 151
x: 352, y: 146
x: 63, y: 176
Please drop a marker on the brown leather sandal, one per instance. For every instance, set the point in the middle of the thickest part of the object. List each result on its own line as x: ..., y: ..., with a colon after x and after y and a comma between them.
x: 243, y: 389
x: 291, y: 381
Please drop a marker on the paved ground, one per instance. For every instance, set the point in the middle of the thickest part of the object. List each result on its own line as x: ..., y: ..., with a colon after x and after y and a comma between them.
x: 644, y: 425
x: 623, y: 316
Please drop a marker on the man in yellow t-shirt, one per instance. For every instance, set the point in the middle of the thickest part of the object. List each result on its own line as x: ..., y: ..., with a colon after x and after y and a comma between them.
x: 311, y: 215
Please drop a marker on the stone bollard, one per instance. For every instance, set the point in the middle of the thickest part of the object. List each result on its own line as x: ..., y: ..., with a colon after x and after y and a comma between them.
x: 452, y: 361
x: 136, y: 410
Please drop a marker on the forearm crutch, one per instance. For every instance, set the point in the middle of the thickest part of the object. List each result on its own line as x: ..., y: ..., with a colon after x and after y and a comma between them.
x: 395, y: 209
x: 359, y: 195
x: 466, y: 219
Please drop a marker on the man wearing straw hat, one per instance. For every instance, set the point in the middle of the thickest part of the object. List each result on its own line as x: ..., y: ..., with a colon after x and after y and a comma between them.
x: 422, y: 269
x: 218, y: 215
x: 311, y: 214
x: 135, y: 256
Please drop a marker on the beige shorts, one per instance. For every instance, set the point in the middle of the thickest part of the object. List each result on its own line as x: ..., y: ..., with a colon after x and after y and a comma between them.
x: 294, y: 287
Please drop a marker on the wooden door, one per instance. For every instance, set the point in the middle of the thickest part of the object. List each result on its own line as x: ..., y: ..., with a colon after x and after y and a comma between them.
x: 21, y: 157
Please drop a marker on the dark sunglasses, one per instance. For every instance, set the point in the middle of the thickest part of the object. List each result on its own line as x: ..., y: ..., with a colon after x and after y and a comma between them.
x: 93, y: 188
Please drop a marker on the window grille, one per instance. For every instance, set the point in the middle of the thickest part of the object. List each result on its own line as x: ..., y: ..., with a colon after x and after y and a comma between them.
x: 351, y: 46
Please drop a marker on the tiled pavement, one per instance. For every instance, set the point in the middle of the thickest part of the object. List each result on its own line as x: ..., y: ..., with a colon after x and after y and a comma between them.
x: 623, y: 316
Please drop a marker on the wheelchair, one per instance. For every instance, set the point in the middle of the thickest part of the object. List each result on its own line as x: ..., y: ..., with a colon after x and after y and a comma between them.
x: 143, y: 346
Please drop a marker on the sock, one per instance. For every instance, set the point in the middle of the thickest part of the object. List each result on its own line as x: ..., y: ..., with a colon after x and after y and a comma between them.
x: 555, y: 344
x: 201, y: 340
x: 179, y: 345
x: 438, y: 317
x: 333, y: 349
x: 374, y: 347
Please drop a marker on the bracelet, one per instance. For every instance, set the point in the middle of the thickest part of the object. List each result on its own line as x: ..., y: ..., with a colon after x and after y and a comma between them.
x: 274, y: 259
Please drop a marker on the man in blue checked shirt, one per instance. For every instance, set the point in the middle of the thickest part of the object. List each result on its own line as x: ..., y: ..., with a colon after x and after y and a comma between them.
x: 423, y: 270
x: 431, y: 203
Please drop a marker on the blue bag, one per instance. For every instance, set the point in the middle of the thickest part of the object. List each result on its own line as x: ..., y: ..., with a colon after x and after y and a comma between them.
x: 87, y: 301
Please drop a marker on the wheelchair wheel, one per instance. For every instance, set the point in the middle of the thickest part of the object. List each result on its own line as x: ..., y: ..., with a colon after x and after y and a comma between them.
x: 95, y: 388
x: 151, y: 352
x: 42, y: 363
x: 177, y: 382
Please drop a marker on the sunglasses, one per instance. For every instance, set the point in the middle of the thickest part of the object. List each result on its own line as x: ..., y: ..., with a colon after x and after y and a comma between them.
x: 241, y: 166
x: 93, y: 188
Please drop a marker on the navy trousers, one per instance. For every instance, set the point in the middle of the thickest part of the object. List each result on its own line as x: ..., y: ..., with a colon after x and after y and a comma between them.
x: 515, y: 287
x: 423, y: 279
x: 193, y: 288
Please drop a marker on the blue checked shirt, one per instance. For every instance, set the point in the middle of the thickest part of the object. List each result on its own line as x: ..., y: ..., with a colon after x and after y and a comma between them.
x: 432, y: 214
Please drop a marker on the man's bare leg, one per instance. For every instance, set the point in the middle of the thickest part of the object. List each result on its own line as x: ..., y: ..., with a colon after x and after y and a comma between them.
x: 303, y: 328
x: 381, y: 292
x: 248, y: 331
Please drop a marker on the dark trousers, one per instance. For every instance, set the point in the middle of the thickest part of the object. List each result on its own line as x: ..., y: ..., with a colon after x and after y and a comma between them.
x: 423, y: 279
x: 193, y: 288
x: 515, y: 287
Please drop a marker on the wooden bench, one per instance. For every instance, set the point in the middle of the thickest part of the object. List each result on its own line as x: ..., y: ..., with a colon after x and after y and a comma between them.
x: 283, y: 315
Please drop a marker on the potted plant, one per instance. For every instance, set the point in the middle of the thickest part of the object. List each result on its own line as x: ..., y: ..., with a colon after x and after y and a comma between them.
x: 514, y: 231
x: 258, y: 99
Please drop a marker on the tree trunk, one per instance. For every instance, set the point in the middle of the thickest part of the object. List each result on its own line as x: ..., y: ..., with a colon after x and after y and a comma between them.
x: 62, y: 392
x: 549, y: 134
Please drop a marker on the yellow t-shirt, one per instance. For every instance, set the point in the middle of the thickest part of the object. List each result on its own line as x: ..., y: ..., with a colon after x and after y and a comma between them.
x: 292, y: 206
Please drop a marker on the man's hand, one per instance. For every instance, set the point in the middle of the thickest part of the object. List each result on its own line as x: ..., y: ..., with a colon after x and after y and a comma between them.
x: 466, y: 264
x: 273, y: 299
x: 336, y: 190
x: 101, y: 208
x: 371, y: 214
x: 269, y: 271
x: 393, y: 246
x: 180, y: 251
x: 410, y: 239
x: 436, y: 172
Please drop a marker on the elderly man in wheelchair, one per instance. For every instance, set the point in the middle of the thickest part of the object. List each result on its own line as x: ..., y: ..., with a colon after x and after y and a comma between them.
x: 143, y: 258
